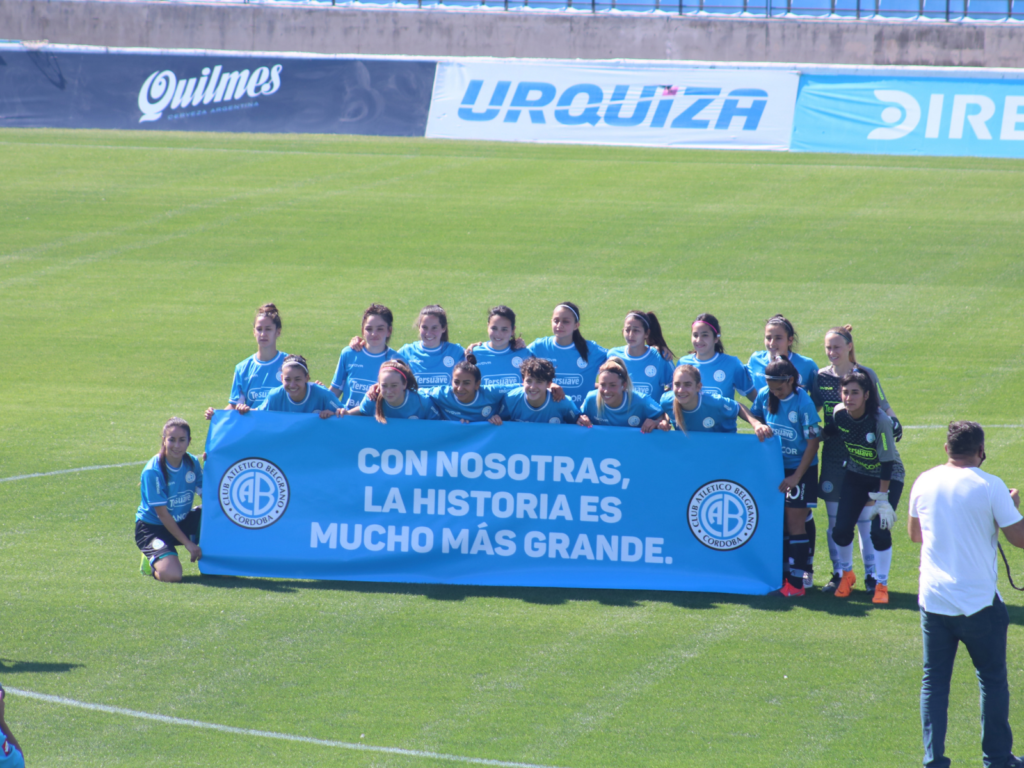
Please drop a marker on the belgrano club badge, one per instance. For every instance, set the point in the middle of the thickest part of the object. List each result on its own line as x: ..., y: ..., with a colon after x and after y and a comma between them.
x: 254, y: 493
x: 722, y: 515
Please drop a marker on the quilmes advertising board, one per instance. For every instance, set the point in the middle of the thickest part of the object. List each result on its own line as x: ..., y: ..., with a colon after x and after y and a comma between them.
x: 627, y: 103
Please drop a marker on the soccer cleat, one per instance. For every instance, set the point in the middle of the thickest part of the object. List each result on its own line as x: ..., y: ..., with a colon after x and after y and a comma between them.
x: 788, y: 590
x: 846, y: 584
x: 881, y: 595
x: 144, y: 568
x: 870, y: 582
x: 832, y: 584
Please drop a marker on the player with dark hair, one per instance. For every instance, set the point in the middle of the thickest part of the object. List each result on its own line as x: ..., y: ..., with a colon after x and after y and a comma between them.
x: 614, y: 403
x: 720, y: 373
x: 534, y: 402
x: 298, y: 394
x: 779, y: 339
x: 690, y: 409
x: 576, y: 359
x: 646, y: 354
x: 395, y: 395
x: 358, y: 365
x: 501, y: 356
x: 433, y: 357
x: 466, y: 400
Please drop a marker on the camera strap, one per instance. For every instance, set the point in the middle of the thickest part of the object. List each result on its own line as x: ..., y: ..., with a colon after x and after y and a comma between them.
x: 1007, y: 564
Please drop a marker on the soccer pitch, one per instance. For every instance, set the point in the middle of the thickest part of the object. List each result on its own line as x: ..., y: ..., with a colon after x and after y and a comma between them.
x: 131, y: 267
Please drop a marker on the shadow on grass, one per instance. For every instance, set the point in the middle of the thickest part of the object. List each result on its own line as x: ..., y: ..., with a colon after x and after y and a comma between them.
x: 858, y: 604
x: 10, y: 666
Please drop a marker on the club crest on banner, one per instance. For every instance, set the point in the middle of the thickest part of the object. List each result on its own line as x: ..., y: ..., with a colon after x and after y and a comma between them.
x: 254, y: 493
x: 722, y: 515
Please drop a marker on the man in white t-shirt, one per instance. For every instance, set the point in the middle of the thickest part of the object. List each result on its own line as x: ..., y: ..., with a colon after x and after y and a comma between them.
x: 956, y: 512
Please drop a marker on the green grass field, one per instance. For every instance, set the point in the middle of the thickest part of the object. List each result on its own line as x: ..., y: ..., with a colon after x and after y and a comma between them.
x: 130, y: 266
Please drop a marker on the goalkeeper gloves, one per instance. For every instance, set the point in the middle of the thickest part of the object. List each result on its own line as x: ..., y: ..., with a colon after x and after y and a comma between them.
x: 883, y: 510
x: 897, y: 429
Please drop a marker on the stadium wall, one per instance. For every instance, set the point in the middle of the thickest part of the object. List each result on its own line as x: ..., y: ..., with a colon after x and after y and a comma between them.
x: 389, y: 31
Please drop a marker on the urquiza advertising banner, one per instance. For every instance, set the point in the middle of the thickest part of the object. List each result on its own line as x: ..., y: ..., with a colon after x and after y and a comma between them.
x: 976, y: 116
x: 628, y: 103
x: 528, y: 505
x: 61, y: 87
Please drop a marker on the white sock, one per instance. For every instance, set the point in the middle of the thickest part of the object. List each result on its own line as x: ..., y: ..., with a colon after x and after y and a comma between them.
x: 883, y: 561
x: 867, y: 549
x: 833, y: 551
x: 846, y: 558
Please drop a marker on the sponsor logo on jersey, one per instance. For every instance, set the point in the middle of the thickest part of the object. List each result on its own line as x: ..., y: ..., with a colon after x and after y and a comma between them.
x: 708, y: 422
x: 164, y: 90
x: 254, y: 493
x: 433, y: 379
x: 448, y: 361
x: 486, y: 410
x: 361, y: 385
x: 642, y: 389
x: 258, y: 395
x: 581, y: 363
x: 190, y: 477
x: 517, y: 361
x: 650, y: 370
x: 504, y: 380
x: 722, y: 515
x: 634, y: 421
x: 183, y: 499
x: 786, y: 433
x: 570, y: 380
x: 719, y: 376
x: 861, y: 452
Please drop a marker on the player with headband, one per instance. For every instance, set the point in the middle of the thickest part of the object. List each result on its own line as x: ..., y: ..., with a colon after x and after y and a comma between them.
x: 648, y: 358
x: 614, y: 403
x: 720, y: 373
x: 298, y: 394
x: 576, y: 359
x: 396, y: 395
x: 842, y: 358
x: 358, y: 367
x: 500, y: 358
x: 779, y: 339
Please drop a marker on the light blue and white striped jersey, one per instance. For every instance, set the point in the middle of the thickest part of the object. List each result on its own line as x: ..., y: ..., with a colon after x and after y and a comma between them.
x: 317, y: 399
x: 650, y: 373
x: 632, y: 412
x: 254, y: 380
x: 795, y: 422
x: 485, y: 404
x: 572, y: 373
x: 516, y: 408
x: 176, y: 493
x: 10, y: 755
x: 713, y: 413
x: 357, y: 372
x: 721, y: 375
x: 807, y: 372
x: 500, y: 369
x: 415, y: 406
x: 432, y: 367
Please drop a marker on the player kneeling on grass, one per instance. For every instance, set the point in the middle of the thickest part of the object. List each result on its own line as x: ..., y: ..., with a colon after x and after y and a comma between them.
x: 872, y: 483
x: 395, y: 395
x: 790, y: 413
x: 467, y: 400
x: 170, y: 482
x: 614, y: 403
x: 536, y: 399
x: 298, y: 394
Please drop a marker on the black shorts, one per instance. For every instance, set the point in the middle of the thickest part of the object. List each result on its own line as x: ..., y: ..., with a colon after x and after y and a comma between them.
x: 852, y: 501
x: 805, y: 494
x: 156, y: 542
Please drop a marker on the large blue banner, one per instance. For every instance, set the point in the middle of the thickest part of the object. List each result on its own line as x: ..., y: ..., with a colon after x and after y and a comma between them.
x: 517, y: 505
x: 900, y: 115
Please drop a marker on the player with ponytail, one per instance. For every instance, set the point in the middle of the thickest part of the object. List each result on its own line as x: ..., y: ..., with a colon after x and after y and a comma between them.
x: 396, y: 395
x: 779, y: 339
x: 720, y: 373
x: 500, y: 358
x: 165, y: 518
x: 690, y: 409
x: 576, y: 360
x: 257, y: 375
x: 614, y: 403
x: 466, y: 400
x: 298, y: 394
x: 646, y: 353
x: 358, y: 366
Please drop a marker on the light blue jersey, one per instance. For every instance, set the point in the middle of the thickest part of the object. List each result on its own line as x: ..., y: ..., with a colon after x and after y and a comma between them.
x: 631, y: 413
x: 500, y: 369
x: 516, y: 408
x: 176, y: 493
x: 432, y: 367
x: 486, y: 403
x: 254, y: 380
x: 721, y: 375
x: 317, y: 399
x: 795, y: 422
x: 572, y: 373
x: 650, y: 373
x: 807, y: 373
x: 357, y: 372
x: 415, y: 406
x: 713, y: 413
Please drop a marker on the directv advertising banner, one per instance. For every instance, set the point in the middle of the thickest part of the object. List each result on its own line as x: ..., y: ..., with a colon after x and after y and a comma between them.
x: 910, y: 115
x: 517, y: 505
x: 652, y: 104
x: 63, y: 87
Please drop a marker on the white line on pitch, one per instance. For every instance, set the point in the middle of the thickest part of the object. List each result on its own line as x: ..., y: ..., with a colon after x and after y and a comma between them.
x: 985, y: 426
x: 70, y: 471
x: 266, y: 734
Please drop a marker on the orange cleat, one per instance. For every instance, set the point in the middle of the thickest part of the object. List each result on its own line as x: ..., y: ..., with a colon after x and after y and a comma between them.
x: 846, y: 584
x: 881, y: 595
x: 788, y: 590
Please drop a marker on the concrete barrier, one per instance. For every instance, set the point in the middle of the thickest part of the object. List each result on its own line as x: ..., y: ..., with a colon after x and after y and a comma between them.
x: 388, y: 31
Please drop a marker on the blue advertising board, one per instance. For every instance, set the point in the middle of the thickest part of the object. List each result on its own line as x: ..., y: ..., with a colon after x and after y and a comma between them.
x: 907, y: 115
x: 517, y: 505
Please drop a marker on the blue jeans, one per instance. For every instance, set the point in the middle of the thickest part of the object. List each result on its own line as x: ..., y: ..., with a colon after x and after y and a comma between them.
x: 984, y: 635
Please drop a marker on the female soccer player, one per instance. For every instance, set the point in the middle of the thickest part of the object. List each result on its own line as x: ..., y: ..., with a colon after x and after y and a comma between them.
x: 298, y: 394
x: 779, y: 339
x: 11, y: 754
x: 691, y: 410
x: 720, y: 373
x: 533, y: 402
x: 500, y: 358
x: 466, y: 400
x: 165, y: 518
x: 396, y: 395
x: 576, y: 360
x: 790, y: 413
x: 615, y: 404
x: 840, y: 352
x: 357, y: 368
x: 872, y: 483
x: 257, y: 375
x: 646, y: 353
x: 433, y: 357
